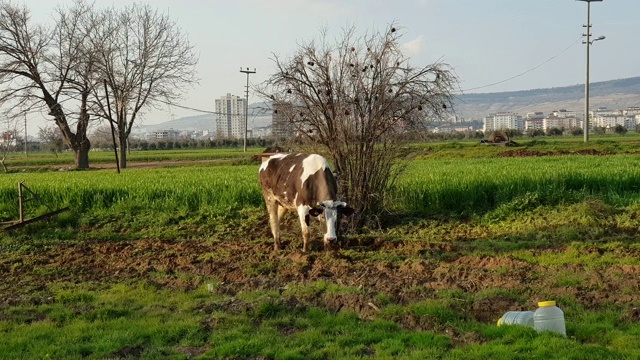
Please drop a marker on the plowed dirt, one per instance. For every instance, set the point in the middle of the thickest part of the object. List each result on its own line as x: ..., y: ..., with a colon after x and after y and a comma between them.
x: 245, y: 266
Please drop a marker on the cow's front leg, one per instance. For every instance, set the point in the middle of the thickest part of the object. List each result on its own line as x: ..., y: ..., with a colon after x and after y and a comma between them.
x: 303, y: 214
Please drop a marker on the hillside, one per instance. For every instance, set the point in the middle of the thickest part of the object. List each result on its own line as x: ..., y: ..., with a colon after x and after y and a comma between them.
x: 257, y: 118
x: 613, y: 94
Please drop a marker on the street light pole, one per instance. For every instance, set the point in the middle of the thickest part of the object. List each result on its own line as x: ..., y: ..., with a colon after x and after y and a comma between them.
x: 246, y: 105
x: 588, y: 42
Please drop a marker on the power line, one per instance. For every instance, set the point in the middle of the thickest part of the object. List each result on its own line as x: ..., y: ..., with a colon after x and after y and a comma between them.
x: 527, y: 71
x: 198, y: 110
x: 190, y: 108
x: 465, y: 90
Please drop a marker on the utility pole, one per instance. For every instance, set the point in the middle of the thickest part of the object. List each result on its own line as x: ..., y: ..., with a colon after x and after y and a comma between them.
x: 588, y: 42
x: 246, y: 105
x: 26, y: 143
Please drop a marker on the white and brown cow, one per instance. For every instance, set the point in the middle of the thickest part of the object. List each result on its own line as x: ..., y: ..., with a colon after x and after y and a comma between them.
x: 303, y: 183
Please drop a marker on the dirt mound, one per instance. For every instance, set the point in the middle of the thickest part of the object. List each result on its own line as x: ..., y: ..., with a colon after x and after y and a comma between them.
x: 527, y: 152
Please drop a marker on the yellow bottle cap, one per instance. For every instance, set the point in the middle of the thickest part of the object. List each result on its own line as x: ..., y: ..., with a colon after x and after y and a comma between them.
x: 499, y: 321
x: 547, y: 303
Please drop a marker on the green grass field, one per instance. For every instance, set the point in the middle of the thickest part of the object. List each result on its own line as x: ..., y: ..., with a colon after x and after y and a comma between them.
x: 17, y: 161
x: 176, y: 262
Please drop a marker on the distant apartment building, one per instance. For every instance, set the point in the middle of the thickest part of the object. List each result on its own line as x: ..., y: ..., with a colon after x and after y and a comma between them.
x: 604, y: 111
x: 563, y: 113
x: 534, y: 124
x: 451, y: 128
x: 561, y: 121
x: 230, y: 117
x: 534, y: 121
x: 281, y: 126
x: 503, y: 121
x: 166, y: 134
x: 631, y: 111
x: 534, y: 115
x: 609, y: 119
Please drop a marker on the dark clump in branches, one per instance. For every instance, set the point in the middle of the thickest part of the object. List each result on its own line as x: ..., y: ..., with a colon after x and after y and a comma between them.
x: 360, y: 98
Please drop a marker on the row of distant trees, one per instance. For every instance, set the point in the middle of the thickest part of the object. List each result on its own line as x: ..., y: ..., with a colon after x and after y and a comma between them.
x: 52, y: 141
x: 599, y: 130
x: 171, y: 144
x: 531, y: 133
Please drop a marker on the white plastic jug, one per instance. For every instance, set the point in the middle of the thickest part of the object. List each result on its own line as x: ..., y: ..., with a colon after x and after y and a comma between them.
x: 549, y: 317
x: 524, y: 318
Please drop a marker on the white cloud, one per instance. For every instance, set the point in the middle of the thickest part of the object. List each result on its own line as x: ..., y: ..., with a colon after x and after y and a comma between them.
x: 413, y: 47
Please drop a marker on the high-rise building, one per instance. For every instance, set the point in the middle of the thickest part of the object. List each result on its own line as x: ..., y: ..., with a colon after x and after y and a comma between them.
x: 230, y: 118
x: 503, y: 121
x: 281, y: 126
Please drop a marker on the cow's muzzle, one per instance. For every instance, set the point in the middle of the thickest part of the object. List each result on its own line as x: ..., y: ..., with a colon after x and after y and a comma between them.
x: 331, y: 244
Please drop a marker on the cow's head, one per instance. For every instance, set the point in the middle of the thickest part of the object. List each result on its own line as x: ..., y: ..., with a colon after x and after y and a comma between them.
x: 331, y: 209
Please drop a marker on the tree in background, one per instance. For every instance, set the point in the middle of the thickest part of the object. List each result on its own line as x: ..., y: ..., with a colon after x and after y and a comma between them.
x: 52, y: 138
x: 359, y: 98
x: 41, y: 69
x: 620, y: 130
x: 102, y: 137
x: 60, y: 71
x: 553, y: 131
x: 145, y: 59
x: 8, y: 140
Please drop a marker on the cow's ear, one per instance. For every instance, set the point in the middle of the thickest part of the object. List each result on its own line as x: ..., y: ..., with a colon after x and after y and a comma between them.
x: 346, y: 210
x: 315, y: 212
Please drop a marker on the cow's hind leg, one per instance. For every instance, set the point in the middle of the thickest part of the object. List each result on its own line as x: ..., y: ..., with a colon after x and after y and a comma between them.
x: 281, y: 211
x: 303, y: 214
x: 274, y: 222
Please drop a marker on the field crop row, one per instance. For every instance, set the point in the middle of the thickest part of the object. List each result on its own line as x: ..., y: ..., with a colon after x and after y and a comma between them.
x: 216, y: 188
x: 473, y: 186
x: 461, y: 187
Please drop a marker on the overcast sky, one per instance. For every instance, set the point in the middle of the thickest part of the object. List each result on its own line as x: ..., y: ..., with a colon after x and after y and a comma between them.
x: 486, y: 41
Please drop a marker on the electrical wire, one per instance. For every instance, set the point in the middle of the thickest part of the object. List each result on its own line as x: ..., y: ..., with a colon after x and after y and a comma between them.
x: 190, y: 108
x: 529, y: 70
x: 465, y: 90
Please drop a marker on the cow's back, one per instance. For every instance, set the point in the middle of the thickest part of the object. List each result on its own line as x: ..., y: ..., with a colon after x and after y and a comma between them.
x: 297, y: 179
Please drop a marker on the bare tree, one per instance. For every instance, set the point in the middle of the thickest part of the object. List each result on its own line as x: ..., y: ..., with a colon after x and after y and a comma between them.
x: 52, y: 138
x: 358, y: 98
x: 8, y: 141
x: 47, y: 70
x: 141, y: 54
x: 102, y: 137
x: 145, y: 59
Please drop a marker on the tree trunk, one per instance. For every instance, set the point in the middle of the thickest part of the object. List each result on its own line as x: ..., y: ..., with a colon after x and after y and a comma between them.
x: 82, y: 155
x: 122, y: 142
x: 77, y: 141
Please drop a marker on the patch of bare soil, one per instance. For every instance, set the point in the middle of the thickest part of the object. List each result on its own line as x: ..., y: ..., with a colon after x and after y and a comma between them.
x: 244, y: 266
